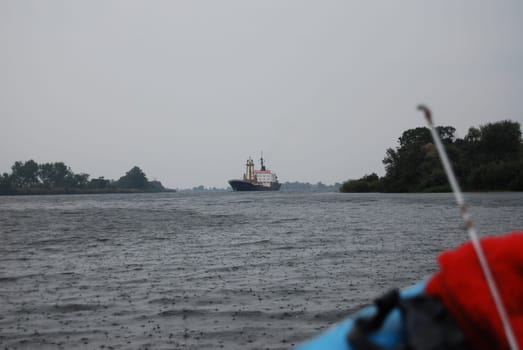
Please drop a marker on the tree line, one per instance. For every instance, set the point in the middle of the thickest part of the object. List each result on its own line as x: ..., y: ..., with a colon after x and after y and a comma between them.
x: 308, y: 187
x: 488, y: 158
x: 53, y: 178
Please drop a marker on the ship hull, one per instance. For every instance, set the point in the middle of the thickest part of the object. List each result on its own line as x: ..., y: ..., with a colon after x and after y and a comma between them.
x: 240, y: 185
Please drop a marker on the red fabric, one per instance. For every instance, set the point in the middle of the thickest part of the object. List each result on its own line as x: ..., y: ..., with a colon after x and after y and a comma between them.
x: 464, y: 291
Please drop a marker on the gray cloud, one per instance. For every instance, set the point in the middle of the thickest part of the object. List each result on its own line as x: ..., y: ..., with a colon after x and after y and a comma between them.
x: 188, y: 90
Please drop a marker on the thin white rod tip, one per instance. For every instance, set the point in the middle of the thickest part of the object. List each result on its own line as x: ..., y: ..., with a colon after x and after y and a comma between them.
x: 426, y: 111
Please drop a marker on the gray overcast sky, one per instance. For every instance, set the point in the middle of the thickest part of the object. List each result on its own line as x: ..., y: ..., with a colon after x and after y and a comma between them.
x: 187, y: 90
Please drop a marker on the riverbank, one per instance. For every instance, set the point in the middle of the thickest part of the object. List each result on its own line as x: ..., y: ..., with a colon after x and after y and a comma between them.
x: 54, y: 191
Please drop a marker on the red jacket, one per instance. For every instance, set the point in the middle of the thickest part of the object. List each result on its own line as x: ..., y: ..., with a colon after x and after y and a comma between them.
x: 464, y: 291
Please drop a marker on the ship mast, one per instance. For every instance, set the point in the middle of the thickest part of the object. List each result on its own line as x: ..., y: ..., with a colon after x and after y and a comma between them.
x: 249, y: 173
x: 261, y: 162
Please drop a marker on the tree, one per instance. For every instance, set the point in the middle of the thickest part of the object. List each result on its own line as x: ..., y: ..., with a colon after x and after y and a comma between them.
x: 80, y: 180
x: 30, y: 177
x: 493, y: 156
x: 414, y: 164
x: 473, y: 135
x: 391, y: 162
x: 156, y: 185
x: 368, y: 183
x: 134, y: 178
x: 56, y: 175
x: 487, y: 158
x: 500, y: 141
x: 403, y: 165
x: 414, y: 137
x: 5, y: 184
x: 62, y: 175
x: 446, y: 133
x: 46, y: 174
x: 25, y: 175
x: 99, y: 183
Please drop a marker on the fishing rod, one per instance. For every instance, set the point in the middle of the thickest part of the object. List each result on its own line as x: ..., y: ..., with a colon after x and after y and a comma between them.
x: 471, y: 231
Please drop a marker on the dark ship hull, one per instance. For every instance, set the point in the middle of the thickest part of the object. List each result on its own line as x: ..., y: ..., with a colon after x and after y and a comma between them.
x: 241, y: 185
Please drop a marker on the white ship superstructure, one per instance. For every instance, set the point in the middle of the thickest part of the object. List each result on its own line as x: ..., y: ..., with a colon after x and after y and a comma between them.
x: 265, y: 177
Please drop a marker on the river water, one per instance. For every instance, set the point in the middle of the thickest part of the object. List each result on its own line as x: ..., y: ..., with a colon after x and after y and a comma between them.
x: 216, y: 270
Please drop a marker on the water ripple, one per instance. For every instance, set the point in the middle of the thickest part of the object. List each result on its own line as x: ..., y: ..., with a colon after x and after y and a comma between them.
x: 224, y: 270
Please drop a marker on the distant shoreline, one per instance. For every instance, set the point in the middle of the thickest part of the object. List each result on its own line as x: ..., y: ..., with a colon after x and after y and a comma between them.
x: 44, y: 192
x: 31, y: 178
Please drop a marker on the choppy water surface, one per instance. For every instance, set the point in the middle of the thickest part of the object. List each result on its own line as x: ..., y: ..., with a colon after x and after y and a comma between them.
x: 215, y: 270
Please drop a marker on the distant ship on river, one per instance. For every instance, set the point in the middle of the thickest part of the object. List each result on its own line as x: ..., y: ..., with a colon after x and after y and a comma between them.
x: 256, y: 180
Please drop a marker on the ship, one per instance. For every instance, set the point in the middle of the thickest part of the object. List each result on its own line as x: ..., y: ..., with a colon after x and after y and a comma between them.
x: 256, y: 180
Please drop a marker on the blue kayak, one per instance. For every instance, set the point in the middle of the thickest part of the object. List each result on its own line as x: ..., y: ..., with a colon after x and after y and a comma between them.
x: 389, y: 336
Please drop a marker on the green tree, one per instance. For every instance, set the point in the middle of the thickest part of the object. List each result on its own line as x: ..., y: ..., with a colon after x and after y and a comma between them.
x: 5, y: 184
x: 473, y: 136
x: 46, y: 174
x: 493, y: 157
x: 156, y: 185
x: 500, y: 141
x: 99, y: 183
x: 487, y: 158
x: 403, y: 165
x: 24, y: 175
x: 414, y: 164
x: 134, y: 178
x: 56, y: 175
x: 368, y: 183
x: 80, y: 180
x: 62, y: 175
x: 30, y: 177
